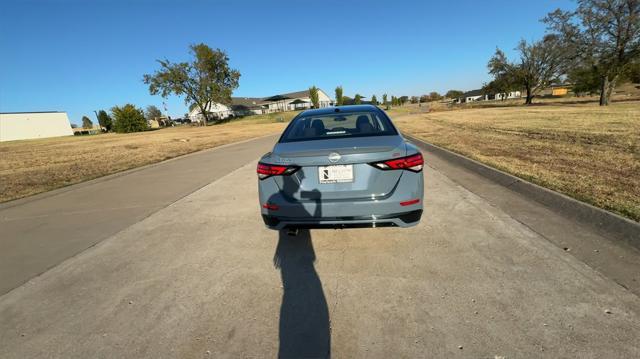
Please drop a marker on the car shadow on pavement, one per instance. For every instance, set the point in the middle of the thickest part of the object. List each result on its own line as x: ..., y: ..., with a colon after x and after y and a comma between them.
x: 304, y: 315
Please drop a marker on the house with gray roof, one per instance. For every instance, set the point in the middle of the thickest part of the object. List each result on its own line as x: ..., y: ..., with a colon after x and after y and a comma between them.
x: 242, y: 106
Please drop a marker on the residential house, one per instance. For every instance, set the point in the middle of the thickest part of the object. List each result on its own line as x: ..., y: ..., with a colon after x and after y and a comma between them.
x: 242, y: 106
x: 504, y: 96
x: 480, y: 95
x: 473, y: 95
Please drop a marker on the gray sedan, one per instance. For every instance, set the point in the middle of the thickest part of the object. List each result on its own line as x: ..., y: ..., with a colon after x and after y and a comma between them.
x: 341, y: 167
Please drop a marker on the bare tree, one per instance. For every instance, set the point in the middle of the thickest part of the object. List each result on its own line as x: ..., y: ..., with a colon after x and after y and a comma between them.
x: 603, y: 35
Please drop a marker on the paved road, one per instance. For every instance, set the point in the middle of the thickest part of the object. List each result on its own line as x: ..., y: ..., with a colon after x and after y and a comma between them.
x: 42, y: 231
x: 202, y: 277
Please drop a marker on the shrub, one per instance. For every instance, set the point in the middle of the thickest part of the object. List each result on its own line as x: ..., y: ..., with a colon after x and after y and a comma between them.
x: 105, y: 121
x: 86, y: 122
x: 128, y: 118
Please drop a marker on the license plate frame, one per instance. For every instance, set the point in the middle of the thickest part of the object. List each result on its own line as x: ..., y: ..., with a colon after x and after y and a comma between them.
x: 333, y: 174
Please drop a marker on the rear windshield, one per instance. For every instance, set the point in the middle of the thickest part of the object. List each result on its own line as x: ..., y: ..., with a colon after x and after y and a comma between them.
x: 338, y: 125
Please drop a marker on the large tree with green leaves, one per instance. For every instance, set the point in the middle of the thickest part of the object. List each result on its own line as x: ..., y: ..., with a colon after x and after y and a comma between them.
x: 206, y: 79
x: 603, y: 35
x: 374, y: 100
x: 339, y: 99
x: 584, y: 80
x: 86, y: 122
x: 501, y: 85
x: 314, y: 97
x: 540, y: 65
x: 505, y: 74
x: 385, y: 101
x: 128, y: 118
x: 105, y: 120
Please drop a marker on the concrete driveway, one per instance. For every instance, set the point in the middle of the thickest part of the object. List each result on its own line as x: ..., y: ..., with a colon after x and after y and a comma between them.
x: 41, y: 231
x: 202, y: 277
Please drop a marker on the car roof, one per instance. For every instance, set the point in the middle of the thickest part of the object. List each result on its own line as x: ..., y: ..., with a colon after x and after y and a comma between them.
x: 348, y: 108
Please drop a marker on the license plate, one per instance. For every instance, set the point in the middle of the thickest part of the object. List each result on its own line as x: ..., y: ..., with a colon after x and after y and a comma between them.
x: 335, y: 174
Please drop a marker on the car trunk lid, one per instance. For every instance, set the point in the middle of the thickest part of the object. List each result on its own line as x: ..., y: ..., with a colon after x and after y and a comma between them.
x: 368, y: 182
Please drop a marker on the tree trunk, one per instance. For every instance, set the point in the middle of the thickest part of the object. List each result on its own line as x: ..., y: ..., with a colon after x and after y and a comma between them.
x: 606, y: 90
x: 529, y: 98
x: 205, y: 115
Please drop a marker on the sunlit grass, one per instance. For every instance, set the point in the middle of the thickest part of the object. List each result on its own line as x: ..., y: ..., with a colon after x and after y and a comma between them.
x: 589, y: 152
x: 33, y: 166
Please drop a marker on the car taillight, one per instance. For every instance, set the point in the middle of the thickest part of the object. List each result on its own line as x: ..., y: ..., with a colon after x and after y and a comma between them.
x: 271, y: 207
x: 266, y: 170
x: 412, y: 163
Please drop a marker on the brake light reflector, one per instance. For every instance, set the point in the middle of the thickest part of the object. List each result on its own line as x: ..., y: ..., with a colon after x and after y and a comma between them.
x: 412, y: 163
x: 266, y: 170
x: 410, y: 202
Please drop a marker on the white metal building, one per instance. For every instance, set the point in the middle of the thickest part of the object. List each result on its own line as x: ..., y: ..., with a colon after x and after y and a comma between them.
x: 30, y: 125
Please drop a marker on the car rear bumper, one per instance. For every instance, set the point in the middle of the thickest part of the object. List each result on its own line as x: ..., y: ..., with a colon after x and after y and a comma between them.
x: 402, y: 206
x: 405, y: 219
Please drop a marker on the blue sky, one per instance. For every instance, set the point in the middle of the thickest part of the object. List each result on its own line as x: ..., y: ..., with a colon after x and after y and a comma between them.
x: 80, y: 56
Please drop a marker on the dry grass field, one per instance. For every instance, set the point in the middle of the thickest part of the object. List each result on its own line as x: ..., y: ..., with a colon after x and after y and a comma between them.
x: 573, y: 146
x: 624, y: 92
x: 34, y: 166
x: 589, y: 152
